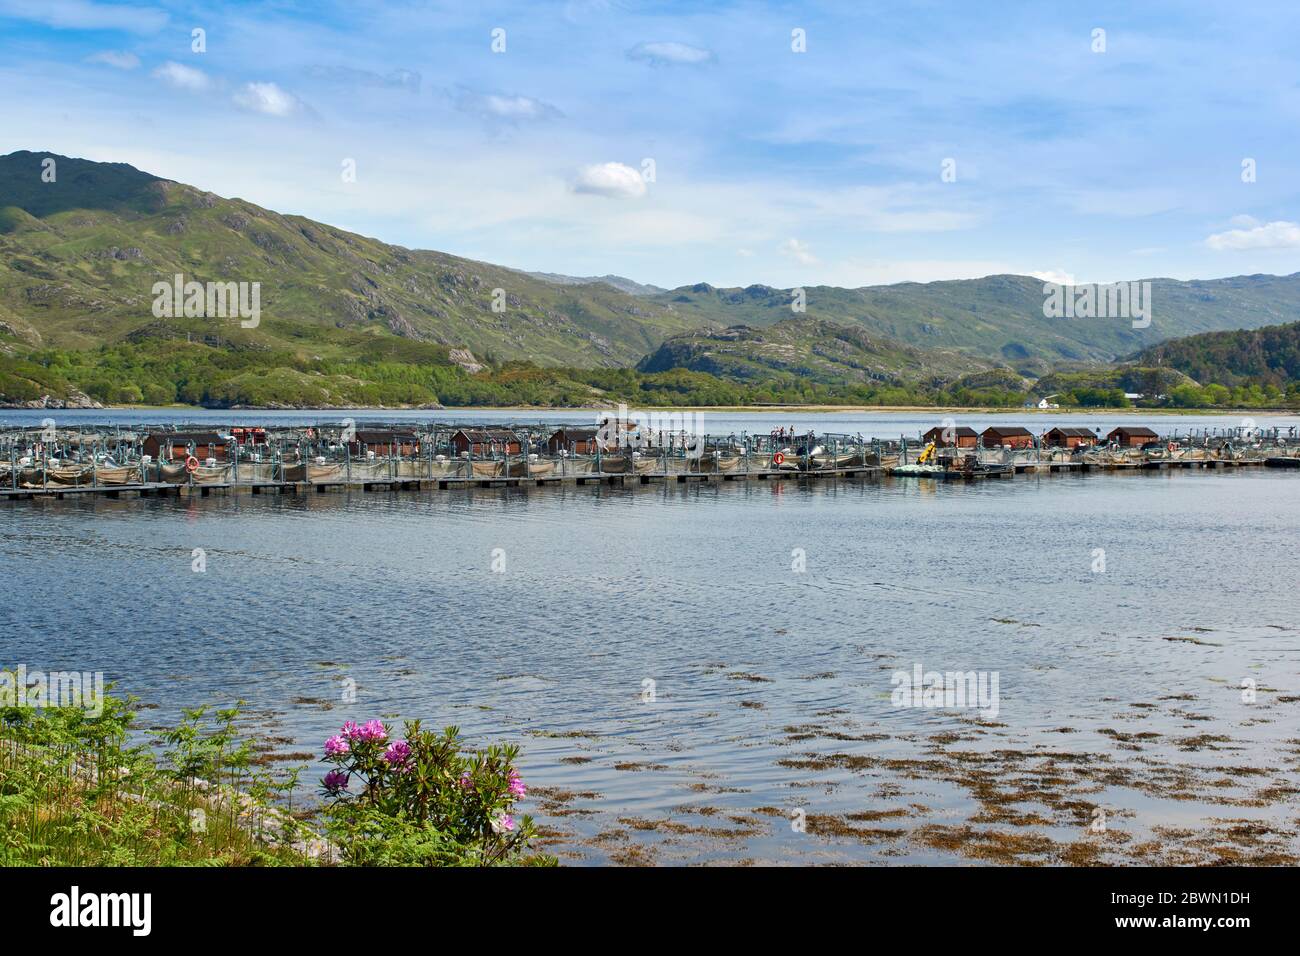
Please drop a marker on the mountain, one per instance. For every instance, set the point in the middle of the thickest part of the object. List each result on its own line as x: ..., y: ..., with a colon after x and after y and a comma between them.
x: 1000, y: 318
x: 346, y: 319
x: 79, y: 257
x: 622, y: 283
x: 806, y: 348
x: 1269, y: 356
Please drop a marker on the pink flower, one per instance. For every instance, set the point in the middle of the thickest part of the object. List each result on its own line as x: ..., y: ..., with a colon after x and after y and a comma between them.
x: 398, y: 752
x: 465, y: 781
x: 503, y: 824
x: 350, y: 730
x: 336, y: 745
x: 336, y: 781
x: 516, y: 785
x: 373, y: 730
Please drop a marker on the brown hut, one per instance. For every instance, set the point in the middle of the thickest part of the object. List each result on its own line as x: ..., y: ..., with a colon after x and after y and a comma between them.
x: 485, y: 441
x: 580, y: 441
x: 171, y: 446
x: 961, y: 436
x: 997, y: 436
x: 1068, y: 437
x: 1132, y: 436
x: 384, y: 441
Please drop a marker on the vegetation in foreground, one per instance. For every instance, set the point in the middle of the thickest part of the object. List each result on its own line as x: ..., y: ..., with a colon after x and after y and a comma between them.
x: 74, y: 792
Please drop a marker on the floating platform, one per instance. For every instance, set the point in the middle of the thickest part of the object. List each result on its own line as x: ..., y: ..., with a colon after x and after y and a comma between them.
x: 951, y: 474
x: 208, y: 489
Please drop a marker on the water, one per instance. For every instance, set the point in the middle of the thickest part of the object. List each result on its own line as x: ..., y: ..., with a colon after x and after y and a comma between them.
x: 1119, y: 690
x: 872, y: 424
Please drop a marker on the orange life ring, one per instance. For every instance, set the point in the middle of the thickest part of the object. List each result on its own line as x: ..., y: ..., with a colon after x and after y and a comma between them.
x: 191, y: 464
x: 778, y: 459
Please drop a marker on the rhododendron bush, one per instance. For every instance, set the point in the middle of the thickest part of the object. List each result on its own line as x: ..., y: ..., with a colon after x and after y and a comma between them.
x: 420, y: 801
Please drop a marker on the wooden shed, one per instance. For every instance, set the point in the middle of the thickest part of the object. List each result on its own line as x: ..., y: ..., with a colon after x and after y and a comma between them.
x: 384, y: 441
x: 961, y: 436
x: 173, y: 446
x: 485, y: 441
x: 997, y: 436
x: 1132, y: 436
x: 1060, y: 437
x: 579, y: 441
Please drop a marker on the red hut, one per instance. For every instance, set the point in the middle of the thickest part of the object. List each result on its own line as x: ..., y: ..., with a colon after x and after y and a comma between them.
x: 998, y: 436
x: 1132, y: 436
x: 960, y: 436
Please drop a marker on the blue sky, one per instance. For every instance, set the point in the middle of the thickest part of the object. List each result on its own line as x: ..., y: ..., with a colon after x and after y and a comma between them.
x: 770, y: 165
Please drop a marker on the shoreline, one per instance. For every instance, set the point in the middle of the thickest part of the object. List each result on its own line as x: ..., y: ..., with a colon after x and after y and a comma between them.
x: 746, y: 409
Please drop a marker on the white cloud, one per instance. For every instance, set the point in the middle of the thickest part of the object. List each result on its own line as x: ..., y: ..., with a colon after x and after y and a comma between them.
x: 115, y: 58
x: 183, y: 77
x: 1271, y: 235
x: 614, y: 180
x: 663, y: 53
x: 510, y: 108
x: 267, y: 98
x: 85, y: 15
x: 799, y: 252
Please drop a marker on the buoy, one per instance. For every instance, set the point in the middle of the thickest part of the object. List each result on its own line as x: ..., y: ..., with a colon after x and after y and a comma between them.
x: 778, y: 459
x: 191, y: 464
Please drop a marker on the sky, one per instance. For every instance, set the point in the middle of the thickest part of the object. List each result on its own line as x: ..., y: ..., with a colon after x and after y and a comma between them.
x: 789, y: 144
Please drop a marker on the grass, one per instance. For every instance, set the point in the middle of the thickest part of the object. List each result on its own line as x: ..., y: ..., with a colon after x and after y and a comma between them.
x: 75, y: 792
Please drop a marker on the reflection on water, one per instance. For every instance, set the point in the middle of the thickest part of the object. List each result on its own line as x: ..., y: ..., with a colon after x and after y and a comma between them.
x: 1120, y: 691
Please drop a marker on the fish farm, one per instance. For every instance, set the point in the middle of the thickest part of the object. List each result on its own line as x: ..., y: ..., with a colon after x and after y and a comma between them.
x: 49, y: 462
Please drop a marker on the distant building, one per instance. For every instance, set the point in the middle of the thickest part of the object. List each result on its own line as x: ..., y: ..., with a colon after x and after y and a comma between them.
x: 579, y: 441
x: 961, y: 436
x: 485, y: 441
x: 172, y: 446
x: 1012, y: 435
x: 1068, y: 437
x: 1132, y: 436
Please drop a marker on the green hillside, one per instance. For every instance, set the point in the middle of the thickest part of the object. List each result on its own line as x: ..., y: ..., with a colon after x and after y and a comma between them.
x: 348, y: 320
x: 79, y: 256
x: 1000, y: 318
x: 1269, y: 356
x: 805, y: 348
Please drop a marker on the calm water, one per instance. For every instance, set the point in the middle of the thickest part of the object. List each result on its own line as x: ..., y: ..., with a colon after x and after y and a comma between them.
x: 1119, y: 691
x: 872, y: 424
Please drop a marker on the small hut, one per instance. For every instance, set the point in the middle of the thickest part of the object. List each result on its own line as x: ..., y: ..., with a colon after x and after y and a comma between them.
x: 1060, y: 437
x: 960, y: 436
x: 579, y: 441
x: 171, y: 446
x: 485, y: 441
x: 1132, y: 436
x: 998, y: 436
